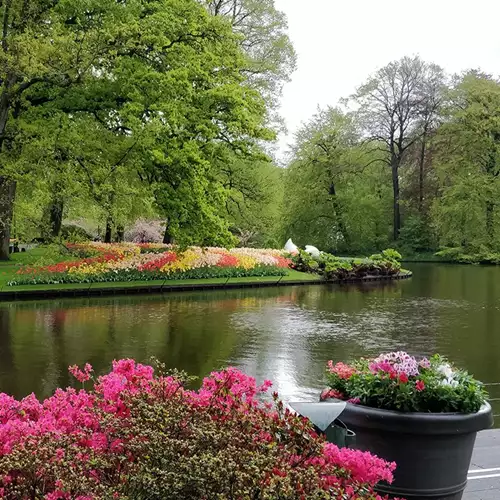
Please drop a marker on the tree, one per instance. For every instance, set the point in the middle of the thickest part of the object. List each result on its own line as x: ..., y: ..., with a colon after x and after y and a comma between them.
x: 270, y: 54
x: 149, y: 89
x: 47, y: 48
x: 335, y: 195
x: 468, y: 163
x: 255, y: 194
x: 396, y: 110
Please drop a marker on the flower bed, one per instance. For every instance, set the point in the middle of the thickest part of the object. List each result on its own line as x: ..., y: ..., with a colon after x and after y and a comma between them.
x: 135, y: 435
x: 98, y: 262
x: 333, y: 268
x: 398, y: 381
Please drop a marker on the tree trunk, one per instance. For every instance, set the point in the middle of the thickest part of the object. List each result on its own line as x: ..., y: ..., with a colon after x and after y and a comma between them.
x: 109, y: 230
x: 7, y: 196
x: 120, y: 234
x: 56, y: 217
x: 395, y: 190
x: 489, y: 220
x: 339, y: 214
x: 167, y: 237
x: 421, y: 174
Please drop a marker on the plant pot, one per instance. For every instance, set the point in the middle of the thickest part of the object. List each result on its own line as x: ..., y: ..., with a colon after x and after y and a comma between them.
x: 432, y: 451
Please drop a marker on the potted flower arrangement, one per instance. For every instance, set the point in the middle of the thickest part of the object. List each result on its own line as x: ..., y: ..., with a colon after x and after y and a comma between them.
x: 423, y: 414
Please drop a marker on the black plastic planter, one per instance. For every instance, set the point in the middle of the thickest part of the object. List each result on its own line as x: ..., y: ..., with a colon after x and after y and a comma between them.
x: 432, y: 450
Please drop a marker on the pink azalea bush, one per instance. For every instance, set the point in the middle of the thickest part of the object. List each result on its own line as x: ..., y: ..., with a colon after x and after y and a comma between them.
x: 398, y: 381
x: 137, y: 435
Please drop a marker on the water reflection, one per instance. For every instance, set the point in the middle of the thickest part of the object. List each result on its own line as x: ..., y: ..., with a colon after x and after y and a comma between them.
x: 285, y: 334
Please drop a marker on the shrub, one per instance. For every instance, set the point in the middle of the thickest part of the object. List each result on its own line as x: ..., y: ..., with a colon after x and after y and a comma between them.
x: 478, y: 256
x: 139, y: 436
x: 75, y: 233
x: 397, y: 381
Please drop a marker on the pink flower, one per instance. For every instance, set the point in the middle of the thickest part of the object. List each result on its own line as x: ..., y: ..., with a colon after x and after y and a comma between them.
x: 342, y: 370
x: 424, y: 363
x: 81, y: 376
x: 331, y: 393
x: 354, y: 401
x: 81, y: 424
x: 419, y: 385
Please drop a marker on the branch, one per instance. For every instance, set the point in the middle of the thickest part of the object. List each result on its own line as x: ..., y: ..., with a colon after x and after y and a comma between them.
x: 5, y: 28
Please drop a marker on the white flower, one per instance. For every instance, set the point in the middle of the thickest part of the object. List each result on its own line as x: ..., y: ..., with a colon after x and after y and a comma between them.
x: 449, y: 381
x: 446, y: 370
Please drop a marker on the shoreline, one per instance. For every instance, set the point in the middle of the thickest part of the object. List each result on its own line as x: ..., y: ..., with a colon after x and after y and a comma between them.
x: 75, y: 290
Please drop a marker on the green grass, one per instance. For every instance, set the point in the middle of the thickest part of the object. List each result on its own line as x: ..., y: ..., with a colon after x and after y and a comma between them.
x: 291, y: 277
x: 37, y: 256
x: 47, y: 255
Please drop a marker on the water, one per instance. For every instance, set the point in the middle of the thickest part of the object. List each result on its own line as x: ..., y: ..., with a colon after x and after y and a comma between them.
x: 284, y: 334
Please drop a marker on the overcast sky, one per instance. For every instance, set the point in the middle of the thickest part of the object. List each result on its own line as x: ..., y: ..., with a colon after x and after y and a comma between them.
x: 340, y: 42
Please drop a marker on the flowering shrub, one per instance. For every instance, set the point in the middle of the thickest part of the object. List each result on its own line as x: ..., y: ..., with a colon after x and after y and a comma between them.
x: 398, y: 381
x: 138, y: 436
x: 103, y: 262
x: 144, y: 231
x: 334, y: 268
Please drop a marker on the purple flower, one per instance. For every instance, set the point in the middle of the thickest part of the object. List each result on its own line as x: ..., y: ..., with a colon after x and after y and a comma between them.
x: 400, y: 361
x: 354, y: 401
x: 424, y: 363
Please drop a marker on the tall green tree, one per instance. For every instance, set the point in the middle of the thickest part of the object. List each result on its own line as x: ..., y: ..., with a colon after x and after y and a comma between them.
x: 46, y: 49
x: 335, y: 187
x: 466, y: 211
x: 151, y: 87
x: 264, y: 39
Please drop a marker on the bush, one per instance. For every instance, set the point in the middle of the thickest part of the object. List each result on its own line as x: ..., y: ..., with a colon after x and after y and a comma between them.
x: 139, y: 436
x: 416, y: 235
x: 397, y: 381
x: 463, y: 256
x: 75, y: 233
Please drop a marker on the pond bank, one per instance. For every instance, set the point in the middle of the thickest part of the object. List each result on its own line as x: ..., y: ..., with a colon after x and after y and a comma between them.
x: 294, y: 278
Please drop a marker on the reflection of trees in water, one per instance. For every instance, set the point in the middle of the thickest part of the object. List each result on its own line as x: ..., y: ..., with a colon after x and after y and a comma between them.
x: 7, y: 369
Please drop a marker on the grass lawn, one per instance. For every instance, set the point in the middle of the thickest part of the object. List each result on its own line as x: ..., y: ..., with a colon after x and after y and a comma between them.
x: 44, y: 255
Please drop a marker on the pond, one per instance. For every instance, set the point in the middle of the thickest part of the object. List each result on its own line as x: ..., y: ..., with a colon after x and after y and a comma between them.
x: 284, y: 334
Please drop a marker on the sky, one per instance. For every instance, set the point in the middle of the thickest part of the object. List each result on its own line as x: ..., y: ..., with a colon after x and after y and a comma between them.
x: 339, y: 43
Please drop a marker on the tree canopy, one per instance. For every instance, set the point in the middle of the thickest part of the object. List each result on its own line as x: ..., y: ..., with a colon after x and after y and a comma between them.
x: 411, y: 159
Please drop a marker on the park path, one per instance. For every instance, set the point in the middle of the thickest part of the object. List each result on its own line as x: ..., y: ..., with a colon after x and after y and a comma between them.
x: 484, y: 473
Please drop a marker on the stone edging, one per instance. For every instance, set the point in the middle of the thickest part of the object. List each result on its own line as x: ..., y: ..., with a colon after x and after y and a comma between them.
x: 149, y: 289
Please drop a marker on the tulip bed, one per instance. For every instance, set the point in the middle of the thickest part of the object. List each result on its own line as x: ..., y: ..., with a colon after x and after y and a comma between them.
x: 128, y: 262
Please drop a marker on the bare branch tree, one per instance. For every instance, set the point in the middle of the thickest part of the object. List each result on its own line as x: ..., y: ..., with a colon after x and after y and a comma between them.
x: 396, y: 107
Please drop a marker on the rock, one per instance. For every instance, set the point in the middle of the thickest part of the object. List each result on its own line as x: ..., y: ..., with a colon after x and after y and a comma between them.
x: 313, y: 251
x: 291, y: 247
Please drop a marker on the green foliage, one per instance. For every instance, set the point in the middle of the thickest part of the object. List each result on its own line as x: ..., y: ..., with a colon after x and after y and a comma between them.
x: 483, y: 256
x: 416, y: 235
x: 132, y: 117
x: 337, y: 195
x: 333, y: 268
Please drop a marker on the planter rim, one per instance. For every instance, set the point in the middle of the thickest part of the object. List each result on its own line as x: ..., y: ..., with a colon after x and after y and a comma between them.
x: 418, y: 422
